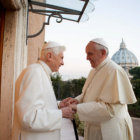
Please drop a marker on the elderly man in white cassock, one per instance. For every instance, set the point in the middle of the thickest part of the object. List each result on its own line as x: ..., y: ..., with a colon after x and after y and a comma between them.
x: 37, y: 116
x: 105, y: 95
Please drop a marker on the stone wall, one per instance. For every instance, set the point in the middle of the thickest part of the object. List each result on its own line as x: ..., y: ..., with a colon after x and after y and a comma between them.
x: 35, y: 44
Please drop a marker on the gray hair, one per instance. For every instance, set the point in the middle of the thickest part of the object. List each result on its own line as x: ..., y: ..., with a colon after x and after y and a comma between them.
x: 101, y: 47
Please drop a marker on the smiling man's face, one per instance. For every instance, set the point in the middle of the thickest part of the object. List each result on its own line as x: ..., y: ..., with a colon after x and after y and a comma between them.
x: 57, y: 61
x: 93, y: 54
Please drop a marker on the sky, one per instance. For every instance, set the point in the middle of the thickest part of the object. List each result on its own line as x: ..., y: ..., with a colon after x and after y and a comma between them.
x: 111, y: 20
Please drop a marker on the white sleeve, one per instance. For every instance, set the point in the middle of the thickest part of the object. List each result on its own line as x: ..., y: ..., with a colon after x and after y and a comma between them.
x: 94, y: 111
x: 32, y: 111
x: 79, y: 98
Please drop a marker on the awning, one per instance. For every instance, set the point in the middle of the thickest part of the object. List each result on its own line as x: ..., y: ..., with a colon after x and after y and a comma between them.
x: 72, y: 10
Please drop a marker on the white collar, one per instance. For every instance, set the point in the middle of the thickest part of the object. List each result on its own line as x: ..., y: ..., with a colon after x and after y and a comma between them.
x: 45, y: 67
x: 102, y: 63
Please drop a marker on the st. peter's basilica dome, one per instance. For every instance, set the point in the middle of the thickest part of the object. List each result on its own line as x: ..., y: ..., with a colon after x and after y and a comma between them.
x: 125, y: 58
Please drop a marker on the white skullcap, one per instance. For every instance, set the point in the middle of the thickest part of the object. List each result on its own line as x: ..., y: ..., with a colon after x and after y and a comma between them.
x: 52, y: 44
x: 100, y: 41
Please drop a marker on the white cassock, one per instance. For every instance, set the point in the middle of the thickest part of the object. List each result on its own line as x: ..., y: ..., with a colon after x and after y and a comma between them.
x: 67, y: 130
x: 37, y: 116
x: 103, y: 103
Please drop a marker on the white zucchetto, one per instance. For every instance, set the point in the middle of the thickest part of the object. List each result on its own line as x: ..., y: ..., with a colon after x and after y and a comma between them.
x: 100, y: 41
x: 52, y: 44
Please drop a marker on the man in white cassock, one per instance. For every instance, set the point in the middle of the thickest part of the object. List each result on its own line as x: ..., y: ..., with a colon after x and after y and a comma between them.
x: 105, y: 95
x: 37, y: 116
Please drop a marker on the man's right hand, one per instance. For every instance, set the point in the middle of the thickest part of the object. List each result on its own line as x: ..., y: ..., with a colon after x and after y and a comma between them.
x: 66, y: 102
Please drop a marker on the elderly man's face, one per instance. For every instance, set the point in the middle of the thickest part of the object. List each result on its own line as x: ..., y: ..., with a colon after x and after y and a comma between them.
x: 93, y: 55
x: 57, y: 61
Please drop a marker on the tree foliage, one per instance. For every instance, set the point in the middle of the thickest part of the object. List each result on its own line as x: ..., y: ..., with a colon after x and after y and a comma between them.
x: 134, y: 109
x: 135, y: 72
x: 64, y: 89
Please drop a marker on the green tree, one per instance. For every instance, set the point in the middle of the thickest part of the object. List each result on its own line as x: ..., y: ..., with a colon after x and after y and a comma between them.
x: 57, y: 84
x: 69, y: 88
x: 77, y: 86
x: 134, y: 109
x: 135, y: 72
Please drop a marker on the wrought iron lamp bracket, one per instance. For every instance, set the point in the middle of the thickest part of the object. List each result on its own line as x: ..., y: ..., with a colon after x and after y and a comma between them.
x: 58, y: 20
x: 58, y: 11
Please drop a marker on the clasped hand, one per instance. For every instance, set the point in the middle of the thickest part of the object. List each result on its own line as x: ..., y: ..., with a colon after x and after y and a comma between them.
x: 68, y: 107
